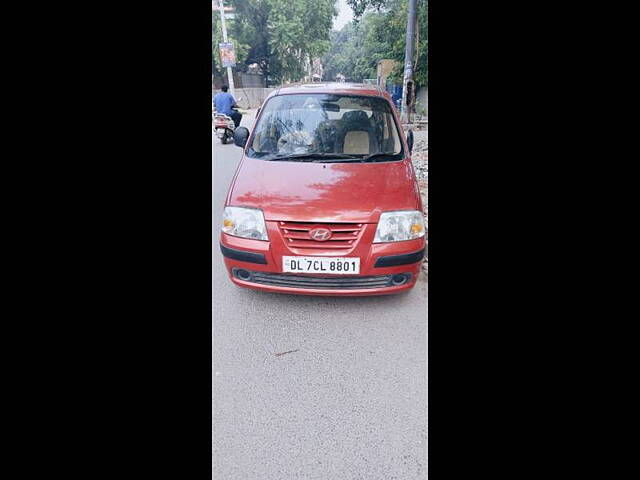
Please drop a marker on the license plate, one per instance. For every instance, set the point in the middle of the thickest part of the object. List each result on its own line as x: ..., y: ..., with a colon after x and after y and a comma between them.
x: 334, y: 266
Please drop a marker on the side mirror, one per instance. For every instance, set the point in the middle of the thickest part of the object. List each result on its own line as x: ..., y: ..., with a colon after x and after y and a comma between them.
x: 240, y: 136
x: 410, y: 140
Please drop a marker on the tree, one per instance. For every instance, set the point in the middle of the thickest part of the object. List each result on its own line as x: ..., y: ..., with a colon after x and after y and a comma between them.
x: 359, y: 6
x: 216, y: 65
x: 357, y: 48
x: 354, y: 51
x: 216, y: 29
x: 284, y: 36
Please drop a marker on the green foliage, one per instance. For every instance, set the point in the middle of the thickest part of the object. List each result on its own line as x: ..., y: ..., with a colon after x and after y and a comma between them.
x: 282, y: 36
x: 421, y: 61
x: 354, y: 51
x: 215, y: 39
x: 279, y: 36
x: 359, y: 6
x: 357, y: 48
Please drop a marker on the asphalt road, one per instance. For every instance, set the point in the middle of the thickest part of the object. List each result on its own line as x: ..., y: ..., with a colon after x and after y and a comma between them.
x: 348, y: 403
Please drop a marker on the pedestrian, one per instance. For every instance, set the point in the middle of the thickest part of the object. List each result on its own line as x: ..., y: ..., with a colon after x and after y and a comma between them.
x: 225, y: 103
x: 396, y: 98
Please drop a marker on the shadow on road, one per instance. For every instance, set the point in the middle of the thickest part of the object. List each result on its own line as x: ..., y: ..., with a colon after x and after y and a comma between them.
x: 385, y: 301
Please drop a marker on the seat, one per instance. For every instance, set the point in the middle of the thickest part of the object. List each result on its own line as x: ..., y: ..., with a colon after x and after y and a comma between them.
x: 356, y: 135
x: 356, y: 142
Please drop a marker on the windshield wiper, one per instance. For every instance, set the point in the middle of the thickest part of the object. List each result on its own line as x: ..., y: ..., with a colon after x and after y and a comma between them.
x: 310, y: 157
x: 378, y: 156
x: 374, y: 157
x: 331, y: 157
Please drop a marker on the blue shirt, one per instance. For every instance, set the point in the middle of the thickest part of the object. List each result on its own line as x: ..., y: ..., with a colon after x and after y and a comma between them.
x: 224, y: 101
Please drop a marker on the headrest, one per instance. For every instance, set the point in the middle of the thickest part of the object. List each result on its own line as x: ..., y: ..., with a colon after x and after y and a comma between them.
x: 357, y: 117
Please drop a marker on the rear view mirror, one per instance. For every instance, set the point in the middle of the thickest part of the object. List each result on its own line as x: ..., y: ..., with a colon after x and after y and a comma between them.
x: 240, y: 136
x: 410, y: 140
x: 330, y: 107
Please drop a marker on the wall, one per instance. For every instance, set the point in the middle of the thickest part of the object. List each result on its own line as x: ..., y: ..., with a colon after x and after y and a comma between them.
x: 422, y: 97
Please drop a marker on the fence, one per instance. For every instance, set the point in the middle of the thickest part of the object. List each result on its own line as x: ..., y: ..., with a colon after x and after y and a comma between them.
x: 240, y: 79
x: 250, y: 97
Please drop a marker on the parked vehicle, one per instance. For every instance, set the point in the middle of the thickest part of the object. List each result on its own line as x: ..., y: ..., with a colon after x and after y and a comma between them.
x: 325, y: 200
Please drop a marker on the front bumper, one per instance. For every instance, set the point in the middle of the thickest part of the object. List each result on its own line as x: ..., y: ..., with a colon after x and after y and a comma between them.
x: 378, y: 264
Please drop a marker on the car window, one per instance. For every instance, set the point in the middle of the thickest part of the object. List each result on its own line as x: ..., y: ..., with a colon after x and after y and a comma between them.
x: 325, y: 123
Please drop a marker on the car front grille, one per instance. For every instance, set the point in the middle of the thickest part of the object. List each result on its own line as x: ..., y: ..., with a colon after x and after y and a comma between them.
x: 304, y: 281
x: 343, y: 235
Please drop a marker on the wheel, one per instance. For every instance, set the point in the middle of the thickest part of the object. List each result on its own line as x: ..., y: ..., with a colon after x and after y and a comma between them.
x: 223, y: 139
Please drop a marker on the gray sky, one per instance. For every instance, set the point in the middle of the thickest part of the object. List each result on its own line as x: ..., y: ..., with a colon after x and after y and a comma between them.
x: 345, y: 15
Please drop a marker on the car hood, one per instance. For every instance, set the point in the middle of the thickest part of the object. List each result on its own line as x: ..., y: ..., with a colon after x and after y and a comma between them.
x: 324, y: 192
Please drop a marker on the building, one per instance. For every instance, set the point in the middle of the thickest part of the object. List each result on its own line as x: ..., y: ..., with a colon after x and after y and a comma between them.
x: 384, y: 69
x: 229, y: 12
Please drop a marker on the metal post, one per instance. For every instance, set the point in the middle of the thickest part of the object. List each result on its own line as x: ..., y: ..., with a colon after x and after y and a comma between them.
x: 408, y: 86
x: 232, y: 88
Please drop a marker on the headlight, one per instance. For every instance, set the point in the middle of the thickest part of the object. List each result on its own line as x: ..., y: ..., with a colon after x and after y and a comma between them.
x: 398, y: 226
x: 244, y: 222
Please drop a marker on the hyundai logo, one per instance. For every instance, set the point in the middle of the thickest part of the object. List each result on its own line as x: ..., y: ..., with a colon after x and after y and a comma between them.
x: 320, y: 234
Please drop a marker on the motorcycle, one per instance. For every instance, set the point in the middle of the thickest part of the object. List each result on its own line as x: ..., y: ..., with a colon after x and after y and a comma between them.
x: 224, y: 125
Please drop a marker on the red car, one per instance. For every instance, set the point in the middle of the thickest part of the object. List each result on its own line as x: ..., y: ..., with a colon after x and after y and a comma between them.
x: 325, y: 200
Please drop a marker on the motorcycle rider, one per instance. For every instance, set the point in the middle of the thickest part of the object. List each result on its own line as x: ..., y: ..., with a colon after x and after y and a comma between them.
x: 225, y: 102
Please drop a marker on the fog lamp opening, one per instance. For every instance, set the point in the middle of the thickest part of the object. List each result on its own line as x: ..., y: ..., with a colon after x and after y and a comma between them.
x: 242, y: 274
x: 399, y: 279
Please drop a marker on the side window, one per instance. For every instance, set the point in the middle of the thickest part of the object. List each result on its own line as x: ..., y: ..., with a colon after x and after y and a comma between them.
x: 394, y: 133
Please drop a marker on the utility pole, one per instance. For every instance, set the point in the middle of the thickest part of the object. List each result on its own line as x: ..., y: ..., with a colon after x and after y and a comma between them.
x: 408, y: 86
x: 232, y: 88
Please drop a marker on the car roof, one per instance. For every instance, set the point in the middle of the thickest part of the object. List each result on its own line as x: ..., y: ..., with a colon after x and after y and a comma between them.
x: 334, y: 87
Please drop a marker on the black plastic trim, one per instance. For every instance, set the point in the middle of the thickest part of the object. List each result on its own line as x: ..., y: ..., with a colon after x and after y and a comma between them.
x: 243, y: 256
x: 308, y: 281
x: 404, y: 259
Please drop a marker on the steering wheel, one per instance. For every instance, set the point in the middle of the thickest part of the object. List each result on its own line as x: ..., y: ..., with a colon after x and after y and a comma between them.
x: 327, y: 134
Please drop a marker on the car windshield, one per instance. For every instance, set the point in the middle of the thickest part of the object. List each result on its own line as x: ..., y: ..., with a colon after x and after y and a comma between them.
x: 326, y: 127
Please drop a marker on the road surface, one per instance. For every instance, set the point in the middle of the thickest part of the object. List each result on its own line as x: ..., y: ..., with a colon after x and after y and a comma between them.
x: 347, y: 402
